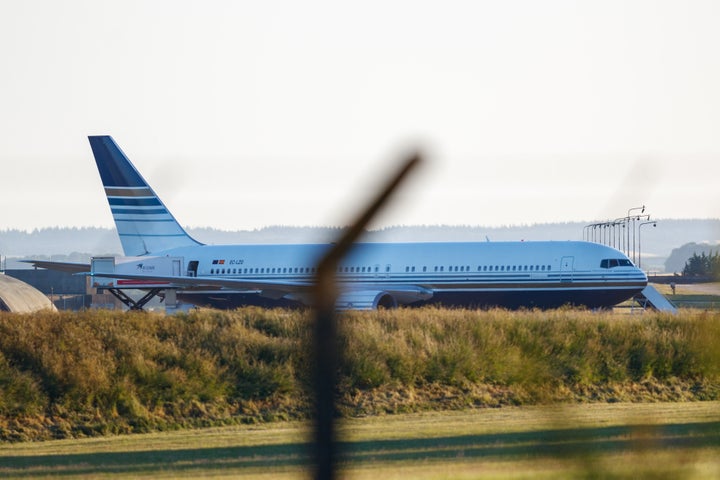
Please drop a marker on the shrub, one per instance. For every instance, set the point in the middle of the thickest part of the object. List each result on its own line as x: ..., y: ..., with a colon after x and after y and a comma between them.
x: 97, y: 372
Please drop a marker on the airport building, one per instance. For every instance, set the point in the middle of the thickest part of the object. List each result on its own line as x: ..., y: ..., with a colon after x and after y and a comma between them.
x: 18, y: 296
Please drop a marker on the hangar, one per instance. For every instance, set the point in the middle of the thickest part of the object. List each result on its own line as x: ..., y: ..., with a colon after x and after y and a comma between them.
x: 18, y: 296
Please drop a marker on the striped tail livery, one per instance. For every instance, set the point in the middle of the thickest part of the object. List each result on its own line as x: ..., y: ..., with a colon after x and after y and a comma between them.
x: 143, y: 222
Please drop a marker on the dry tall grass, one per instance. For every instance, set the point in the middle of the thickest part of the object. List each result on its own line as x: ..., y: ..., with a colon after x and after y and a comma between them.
x: 92, y: 373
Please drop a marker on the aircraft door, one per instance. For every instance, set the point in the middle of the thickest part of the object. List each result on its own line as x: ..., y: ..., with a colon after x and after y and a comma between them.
x: 192, y: 268
x: 566, y: 269
x: 176, y: 267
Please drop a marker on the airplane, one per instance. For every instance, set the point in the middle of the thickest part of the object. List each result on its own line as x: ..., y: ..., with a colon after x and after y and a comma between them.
x: 161, y: 258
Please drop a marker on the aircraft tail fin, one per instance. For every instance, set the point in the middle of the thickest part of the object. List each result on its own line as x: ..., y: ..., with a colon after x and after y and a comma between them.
x: 143, y: 222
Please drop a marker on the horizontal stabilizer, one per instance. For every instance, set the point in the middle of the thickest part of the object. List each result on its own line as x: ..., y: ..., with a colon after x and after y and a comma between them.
x: 68, y: 267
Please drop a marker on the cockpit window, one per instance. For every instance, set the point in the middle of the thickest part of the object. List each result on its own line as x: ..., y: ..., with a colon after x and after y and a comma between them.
x: 615, y: 262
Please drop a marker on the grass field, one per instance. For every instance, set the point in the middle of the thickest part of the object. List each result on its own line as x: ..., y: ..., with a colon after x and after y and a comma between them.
x: 632, y: 396
x: 87, y: 374
x: 656, y: 440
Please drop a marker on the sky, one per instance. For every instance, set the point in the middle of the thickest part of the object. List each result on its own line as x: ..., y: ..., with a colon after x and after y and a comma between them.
x: 248, y: 114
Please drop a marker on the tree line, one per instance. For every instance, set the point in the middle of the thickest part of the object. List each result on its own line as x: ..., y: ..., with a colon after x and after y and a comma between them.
x: 703, y: 265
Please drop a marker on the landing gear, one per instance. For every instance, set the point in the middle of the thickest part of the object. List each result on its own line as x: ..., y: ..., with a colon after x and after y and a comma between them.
x: 136, y: 305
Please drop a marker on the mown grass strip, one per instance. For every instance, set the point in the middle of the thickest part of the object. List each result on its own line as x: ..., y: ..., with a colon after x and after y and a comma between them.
x: 684, y: 438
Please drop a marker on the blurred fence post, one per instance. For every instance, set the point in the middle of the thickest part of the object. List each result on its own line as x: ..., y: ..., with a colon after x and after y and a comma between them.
x: 326, y: 354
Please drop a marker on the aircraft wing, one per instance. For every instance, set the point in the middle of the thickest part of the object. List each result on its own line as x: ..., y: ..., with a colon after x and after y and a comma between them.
x: 270, y: 288
x: 266, y: 287
x: 59, y: 266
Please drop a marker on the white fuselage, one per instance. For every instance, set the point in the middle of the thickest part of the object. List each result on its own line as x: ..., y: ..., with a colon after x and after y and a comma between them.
x: 512, y: 274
